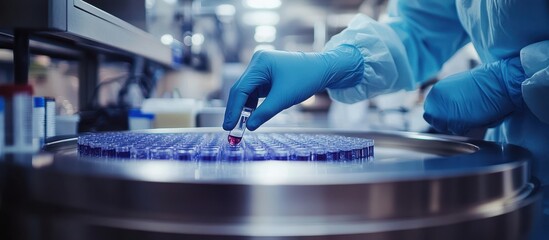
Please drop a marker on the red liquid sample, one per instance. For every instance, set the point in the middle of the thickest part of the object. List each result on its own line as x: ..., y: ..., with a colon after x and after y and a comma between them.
x: 234, y: 140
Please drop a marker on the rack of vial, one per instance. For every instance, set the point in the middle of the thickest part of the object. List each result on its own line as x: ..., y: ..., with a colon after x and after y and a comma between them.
x: 214, y: 147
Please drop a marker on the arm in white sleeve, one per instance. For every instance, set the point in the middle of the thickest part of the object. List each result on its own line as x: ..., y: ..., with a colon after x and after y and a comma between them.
x: 535, y: 89
x: 410, y: 47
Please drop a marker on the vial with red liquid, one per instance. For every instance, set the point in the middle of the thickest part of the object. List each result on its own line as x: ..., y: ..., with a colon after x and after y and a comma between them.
x: 235, y: 136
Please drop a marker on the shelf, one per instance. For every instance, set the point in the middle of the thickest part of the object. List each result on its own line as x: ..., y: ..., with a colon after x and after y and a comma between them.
x: 84, y: 25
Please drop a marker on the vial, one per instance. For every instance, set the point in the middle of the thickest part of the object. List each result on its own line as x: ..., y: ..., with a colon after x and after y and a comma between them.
x: 302, y: 154
x: 139, y: 151
x: 108, y: 150
x: 346, y: 154
x: 259, y: 155
x: 280, y: 154
x: 235, y: 136
x: 95, y: 149
x: 85, y: 145
x: 50, y: 117
x: 319, y: 154
x: 332, y: 154
x: 209, y: 154
x: 371, y: 149
x: 123, y: 151
x: 161, y: 153
x: 18, y: 108
x: 39, y: 122
x: 185, y: 153
x: 234, y: 154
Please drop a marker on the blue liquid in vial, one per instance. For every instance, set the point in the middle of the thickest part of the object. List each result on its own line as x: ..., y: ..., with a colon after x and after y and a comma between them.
x: 209, y: 154
x: 123, y: 155
x: 185, y: 154
x: 281, y: 154
x: 108, y: 151
x: 139, y: 152
x: 302, y: 155
x: 163, y: 153
x: 346, y: 154
x: 259, y: 155
x: 95, y: 149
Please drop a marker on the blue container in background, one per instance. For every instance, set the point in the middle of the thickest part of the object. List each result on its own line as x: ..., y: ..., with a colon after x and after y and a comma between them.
x: 39, y: 121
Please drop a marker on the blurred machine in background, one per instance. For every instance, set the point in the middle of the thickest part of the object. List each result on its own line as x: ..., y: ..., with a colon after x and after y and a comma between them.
x: 99, y: 59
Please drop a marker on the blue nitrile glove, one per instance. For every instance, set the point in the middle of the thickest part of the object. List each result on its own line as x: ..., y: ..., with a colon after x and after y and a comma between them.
x: 288, y: 78
x: 481, y: 97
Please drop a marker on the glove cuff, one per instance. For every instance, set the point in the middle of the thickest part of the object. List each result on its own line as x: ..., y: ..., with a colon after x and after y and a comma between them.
x: 386, y: 65
x: 346, y: 68
x: 513, y: 75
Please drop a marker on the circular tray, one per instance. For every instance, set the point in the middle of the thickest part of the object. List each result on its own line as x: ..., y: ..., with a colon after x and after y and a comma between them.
x: 417, y: 185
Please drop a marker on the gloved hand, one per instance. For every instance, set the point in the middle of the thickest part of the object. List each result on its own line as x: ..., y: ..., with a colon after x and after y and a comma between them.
x: 481, y: 97
x: 535, y: 61
x: 288, y: 78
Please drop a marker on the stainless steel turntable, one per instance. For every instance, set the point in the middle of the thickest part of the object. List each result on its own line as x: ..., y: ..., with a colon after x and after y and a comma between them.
x: 417, y: 187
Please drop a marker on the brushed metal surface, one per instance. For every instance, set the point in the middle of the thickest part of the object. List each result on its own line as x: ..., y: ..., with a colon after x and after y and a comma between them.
x: 418, y: 187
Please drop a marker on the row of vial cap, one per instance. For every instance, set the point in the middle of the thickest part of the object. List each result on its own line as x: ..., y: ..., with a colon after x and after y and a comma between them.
x: 210, y: 147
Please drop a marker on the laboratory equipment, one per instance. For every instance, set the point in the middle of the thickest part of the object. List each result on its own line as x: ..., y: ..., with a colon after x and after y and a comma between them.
x: 18, y: 118
x: 68, y: 123
x: 418, y: 187
x: 39, y: 121
x: 43, y: 120
x: 235, y: 135
x: 171, y: 112
x: 138, y: 120
x: 212, y: 147
x: 50, y: 117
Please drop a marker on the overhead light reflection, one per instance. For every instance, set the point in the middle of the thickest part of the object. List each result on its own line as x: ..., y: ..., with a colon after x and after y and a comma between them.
x: 197, y: 39
x: 188, y: 40
x: 225, y: 10
x: 166, y: 39
x: 265, y: 34
x: 261, y: 18
x: 263, y: 4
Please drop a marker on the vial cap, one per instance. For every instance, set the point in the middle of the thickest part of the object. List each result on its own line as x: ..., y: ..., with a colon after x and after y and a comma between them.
x: 39, y: 102
x: 8, y: 91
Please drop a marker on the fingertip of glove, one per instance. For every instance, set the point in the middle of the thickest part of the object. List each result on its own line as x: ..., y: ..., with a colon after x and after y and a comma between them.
x: 230, y: 121
x: 252, y: 125
x: 427, y: 117
x: 226, y: 121
x: 227, y: 127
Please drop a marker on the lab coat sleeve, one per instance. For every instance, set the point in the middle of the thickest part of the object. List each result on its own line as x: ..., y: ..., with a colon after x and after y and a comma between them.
x: 535, y: 89
x: 408, y: 47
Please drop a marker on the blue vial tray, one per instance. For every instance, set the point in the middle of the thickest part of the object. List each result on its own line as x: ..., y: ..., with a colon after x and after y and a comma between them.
x: 214, y: 147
